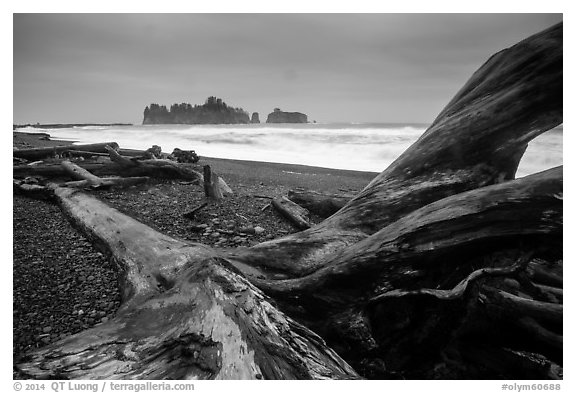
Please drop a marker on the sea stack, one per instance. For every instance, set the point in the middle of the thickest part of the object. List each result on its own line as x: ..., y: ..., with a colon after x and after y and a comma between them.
x: 213, y: 111
x: 255, y: 118
x: 278, y: 116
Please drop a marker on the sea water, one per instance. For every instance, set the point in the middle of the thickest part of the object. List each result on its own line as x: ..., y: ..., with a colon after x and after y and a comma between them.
x: 363, y: 147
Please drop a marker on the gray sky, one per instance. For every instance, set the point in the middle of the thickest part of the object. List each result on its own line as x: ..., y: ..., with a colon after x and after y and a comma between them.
x: 74, y: 68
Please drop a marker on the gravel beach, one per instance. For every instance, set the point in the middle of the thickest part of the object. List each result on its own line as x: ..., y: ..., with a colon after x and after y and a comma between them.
x: 63, y: 285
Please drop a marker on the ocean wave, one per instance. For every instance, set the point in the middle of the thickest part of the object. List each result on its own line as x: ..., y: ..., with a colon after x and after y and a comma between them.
x: 91, y: 127
x: 365, y: 147
x: 232, y: 141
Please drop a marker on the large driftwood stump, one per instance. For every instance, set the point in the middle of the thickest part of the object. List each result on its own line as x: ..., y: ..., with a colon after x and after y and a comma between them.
x: 444, y: 266
x: 211, y: 185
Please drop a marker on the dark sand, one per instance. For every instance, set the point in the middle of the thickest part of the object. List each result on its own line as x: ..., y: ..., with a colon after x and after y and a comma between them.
x: 290, y: 175
x: 63, y: 285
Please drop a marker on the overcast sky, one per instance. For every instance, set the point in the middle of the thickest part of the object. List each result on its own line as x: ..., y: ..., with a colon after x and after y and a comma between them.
x: 72, y: 68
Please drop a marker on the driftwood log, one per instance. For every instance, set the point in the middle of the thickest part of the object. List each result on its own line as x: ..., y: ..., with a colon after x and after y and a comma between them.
x: 44, y: 152
x: 150, y: 168
x: 298, y: 215
x: 83, y: 154
x: 444, y: 266
x: 86, y: 179
x: 320, y: 203
x: 120, y: 165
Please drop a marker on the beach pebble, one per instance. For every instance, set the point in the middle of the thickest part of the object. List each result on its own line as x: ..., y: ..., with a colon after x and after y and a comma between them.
x: 59, y: 277
x: 248, y: 229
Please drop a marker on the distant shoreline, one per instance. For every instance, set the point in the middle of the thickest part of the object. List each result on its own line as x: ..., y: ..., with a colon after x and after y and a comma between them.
x: 68, y: 125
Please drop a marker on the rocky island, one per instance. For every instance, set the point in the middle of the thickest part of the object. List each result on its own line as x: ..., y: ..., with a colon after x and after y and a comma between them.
x: 278, y: 116
x: 213, y: 111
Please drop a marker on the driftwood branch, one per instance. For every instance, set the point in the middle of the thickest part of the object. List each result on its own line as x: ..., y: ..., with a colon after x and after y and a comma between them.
x: 459, y: 290
x: 86, y: 179
x: 79, y: 173
x: 525, y: 307
x: 117, y: 158
x: 192, y: 212
x: 296, y: 214
x: 106, y: 182
x: 83, y: 154
x: 320, y: 203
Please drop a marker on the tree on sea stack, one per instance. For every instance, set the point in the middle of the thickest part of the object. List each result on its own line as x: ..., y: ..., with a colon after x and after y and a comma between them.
x: 444, y: 266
